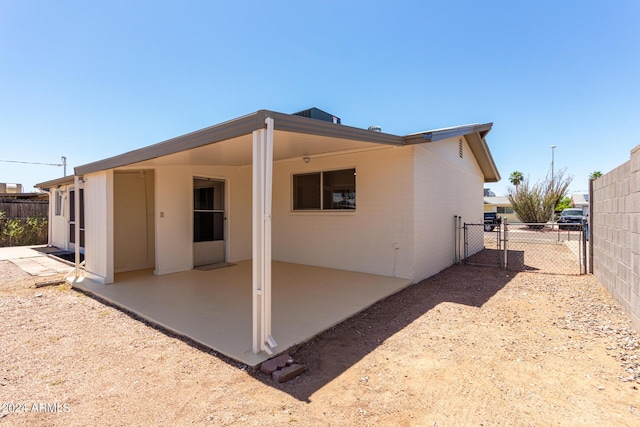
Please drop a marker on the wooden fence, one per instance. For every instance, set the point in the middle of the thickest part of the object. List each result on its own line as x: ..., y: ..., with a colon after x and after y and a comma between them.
x: 22, y: 209
x: 23, y: 222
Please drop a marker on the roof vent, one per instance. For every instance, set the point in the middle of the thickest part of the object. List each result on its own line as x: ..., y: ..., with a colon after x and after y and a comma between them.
x: 318, y: 114
x: 375, y: 128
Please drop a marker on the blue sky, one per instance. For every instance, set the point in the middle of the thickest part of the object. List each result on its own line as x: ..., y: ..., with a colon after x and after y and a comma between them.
x: 89, y: 80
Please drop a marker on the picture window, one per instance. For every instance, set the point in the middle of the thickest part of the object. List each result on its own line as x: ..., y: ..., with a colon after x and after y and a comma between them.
x: 328, y: 190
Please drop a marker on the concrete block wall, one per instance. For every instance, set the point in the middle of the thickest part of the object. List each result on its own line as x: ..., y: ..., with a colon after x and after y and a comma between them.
x: 615, y: 222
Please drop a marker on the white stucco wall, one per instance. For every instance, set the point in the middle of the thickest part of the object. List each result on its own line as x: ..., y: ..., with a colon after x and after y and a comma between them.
x: 134, y: 216
x: 445, y: 185
x: 174, y: 214
x: 98, y: 206
x: 362, y: 240
x: 59, y: 236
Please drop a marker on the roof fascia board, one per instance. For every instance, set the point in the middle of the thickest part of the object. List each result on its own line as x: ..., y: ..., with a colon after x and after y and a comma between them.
x: 474, y: 134
x: 296, y: 124
x: 55, y: 182
x: 226, y: 130
x: 438, y: 135
x: 238, y: 127
x: 299, y: 124
x: 480, y: 150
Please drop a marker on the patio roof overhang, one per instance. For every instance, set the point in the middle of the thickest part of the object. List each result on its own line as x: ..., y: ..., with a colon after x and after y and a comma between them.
x: 296, y: 136
x: 229, y: 143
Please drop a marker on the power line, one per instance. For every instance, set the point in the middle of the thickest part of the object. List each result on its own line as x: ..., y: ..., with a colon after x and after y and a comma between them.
x: 63, y: 164
x: 32, y: 163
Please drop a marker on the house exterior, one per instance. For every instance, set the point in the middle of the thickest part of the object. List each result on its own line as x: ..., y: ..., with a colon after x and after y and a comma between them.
x: 581, y: 201
x: 502, y: 206
x: 273, y: 186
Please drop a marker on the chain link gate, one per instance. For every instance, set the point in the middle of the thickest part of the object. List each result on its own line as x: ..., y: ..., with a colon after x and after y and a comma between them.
x: 540, y: 248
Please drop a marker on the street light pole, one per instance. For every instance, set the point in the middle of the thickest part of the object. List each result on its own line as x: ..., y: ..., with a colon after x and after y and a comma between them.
x: 553, y: 212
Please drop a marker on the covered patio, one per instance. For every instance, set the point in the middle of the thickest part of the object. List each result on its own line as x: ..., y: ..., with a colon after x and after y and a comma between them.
x: 214, y: 307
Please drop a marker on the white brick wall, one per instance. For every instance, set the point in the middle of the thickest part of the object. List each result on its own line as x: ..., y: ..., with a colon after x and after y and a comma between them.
x: 445, y: 185
x: 615, y: 223
x: 361, y: 240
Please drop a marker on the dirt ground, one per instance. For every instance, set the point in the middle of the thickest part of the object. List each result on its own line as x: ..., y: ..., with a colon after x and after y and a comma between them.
x: 470, y: 346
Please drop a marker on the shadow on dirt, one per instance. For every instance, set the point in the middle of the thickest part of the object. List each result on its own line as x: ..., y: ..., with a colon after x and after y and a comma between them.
x: 334, y: 351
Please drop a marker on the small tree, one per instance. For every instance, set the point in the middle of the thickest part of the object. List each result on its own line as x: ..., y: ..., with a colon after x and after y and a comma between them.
x: 564, y: 204
x: 595, y: 174
x: 536, y: 203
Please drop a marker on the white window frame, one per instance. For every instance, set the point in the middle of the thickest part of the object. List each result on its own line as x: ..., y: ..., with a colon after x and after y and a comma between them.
x: 321, y: 195
x: 59, y: 203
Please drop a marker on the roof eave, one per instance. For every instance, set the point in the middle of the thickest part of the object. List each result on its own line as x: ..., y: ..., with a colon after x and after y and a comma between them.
x: 481, y: 151
x: 474, y: 134
x: 237, y: 127
x: 55, y: 182
x: 439, y: 135
x: 299, y: 124
x: 226, y: 130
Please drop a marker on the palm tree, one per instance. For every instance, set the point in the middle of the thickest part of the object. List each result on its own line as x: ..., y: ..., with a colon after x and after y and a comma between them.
x: 516, y: 178
x: 595, y: 174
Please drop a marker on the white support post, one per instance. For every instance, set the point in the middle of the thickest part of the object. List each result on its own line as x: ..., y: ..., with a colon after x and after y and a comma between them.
x: 262, y: 194
x: 76, y: 209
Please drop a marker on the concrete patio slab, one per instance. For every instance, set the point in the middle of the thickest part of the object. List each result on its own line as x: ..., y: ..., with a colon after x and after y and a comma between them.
x: 214, y: 309
x: 34, y: 260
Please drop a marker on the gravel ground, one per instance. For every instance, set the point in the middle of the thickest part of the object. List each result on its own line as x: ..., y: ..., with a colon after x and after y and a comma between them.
x: 470, y: 346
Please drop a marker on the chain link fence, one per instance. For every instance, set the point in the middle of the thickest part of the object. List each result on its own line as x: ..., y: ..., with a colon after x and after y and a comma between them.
x: 540, y: 248
x: 482, y: 247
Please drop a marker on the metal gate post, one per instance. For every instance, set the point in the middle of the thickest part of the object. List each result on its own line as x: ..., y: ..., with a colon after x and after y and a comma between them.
x: 456, y: 239
x: 505, y: 241
x: 460, y: 230
x: 584, y: 247
x: 466, y: 241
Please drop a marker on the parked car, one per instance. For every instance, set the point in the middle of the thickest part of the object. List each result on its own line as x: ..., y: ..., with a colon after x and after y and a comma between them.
x: 491, y: 221
x: 571, y: 219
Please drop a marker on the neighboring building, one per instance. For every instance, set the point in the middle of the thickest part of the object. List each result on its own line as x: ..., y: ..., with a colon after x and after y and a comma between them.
x: 16, y: 191
x: 580, y: 201
x: 7, y: 188
x: 502, y: 206
x: 277, y: 186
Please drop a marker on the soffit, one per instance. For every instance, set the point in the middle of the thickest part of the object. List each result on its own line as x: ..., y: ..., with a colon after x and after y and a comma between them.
x: 238, y: 151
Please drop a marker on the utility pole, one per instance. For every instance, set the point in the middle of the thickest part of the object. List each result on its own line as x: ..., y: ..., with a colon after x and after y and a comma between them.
x: 553, y: 212
x: 64, y: 164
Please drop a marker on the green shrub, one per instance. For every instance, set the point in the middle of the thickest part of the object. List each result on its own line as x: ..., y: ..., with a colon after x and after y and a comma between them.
x: 23, y: 232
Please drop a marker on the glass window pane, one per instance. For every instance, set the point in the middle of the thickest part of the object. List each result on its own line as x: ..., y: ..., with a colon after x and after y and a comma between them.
x: 82, y: 209
x: 339, y: 189
x: 218, y: 226
x: 72, y: 204
x: 58, y: 201
x: 203, y: 198
x: 203, y: 226
x: 306, y: 191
